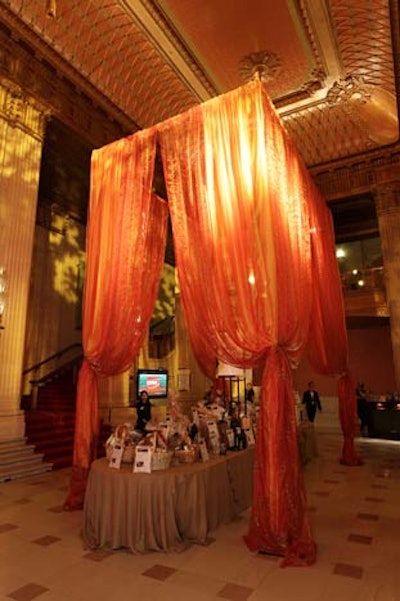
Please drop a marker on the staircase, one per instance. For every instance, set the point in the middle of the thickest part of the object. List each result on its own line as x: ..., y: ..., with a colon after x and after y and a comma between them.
x: 52, y: 434
x: 51, y: 426
x: 18, y: 459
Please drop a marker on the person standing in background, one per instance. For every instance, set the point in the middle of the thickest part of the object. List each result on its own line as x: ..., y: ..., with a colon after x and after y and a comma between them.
x: 249, y: 394
x: 362, y: 407
x: 311, y: 401
x: 143, y: 411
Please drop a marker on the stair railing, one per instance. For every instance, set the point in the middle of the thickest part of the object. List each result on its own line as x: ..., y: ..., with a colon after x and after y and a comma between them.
x: 35, y: 382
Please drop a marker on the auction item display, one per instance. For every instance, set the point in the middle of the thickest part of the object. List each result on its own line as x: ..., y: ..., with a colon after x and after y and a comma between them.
x: 209, y: 431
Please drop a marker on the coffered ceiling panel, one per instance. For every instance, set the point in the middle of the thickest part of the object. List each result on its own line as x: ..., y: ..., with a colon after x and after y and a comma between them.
x: 233, y: 39
x: 329, y: 65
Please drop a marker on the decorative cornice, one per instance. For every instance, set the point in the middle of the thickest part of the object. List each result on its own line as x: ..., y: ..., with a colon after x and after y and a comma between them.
x: 319, y: 74
x: 37, y: 68
x: 303, y: 10
x: 315, y: 83
x: 346, y: 178
x: 348, y: 88
x: 21, y: 110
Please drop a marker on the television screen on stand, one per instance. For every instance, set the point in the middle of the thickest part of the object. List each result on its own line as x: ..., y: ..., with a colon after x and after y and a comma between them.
x: 153, y: 381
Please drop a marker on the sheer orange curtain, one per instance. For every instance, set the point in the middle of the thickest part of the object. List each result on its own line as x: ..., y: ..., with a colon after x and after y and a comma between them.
x: 240, y: 218
x: 125, y: 246
x: 328, y: 349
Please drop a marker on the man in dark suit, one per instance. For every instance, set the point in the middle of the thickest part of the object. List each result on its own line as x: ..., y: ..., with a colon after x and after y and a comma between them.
x: 311, y: 401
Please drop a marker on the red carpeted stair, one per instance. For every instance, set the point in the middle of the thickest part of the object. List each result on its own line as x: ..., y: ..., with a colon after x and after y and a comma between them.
x: 51, y: 426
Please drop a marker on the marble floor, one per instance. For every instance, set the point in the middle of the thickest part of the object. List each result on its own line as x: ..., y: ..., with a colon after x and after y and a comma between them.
x: 354, y: 511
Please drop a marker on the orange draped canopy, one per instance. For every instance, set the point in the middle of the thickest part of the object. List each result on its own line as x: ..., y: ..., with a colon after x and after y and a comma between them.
x: 258, y: 276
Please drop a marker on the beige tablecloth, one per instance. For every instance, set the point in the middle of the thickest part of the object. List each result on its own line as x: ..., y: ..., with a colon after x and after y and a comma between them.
x: 307, y: 442
x: 168, y: 509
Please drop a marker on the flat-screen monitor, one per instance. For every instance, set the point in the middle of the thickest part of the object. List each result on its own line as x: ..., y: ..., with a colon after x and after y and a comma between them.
x: 153, y: 381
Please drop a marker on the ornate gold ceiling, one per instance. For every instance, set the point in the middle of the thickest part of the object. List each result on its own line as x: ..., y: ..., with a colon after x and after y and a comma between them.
x: 328, y: 65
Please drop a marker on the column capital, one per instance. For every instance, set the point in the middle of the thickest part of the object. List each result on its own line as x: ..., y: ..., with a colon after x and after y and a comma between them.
x: 21, y: 110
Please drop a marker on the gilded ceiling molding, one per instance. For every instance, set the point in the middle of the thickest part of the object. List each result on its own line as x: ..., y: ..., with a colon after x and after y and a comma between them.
x: 161, y: 20
x: 315, y: 83
x: 352, y: 93
x: 345, y: 89
x: 323, y: 51
x: 21, y: 110
x: 305, y: 11
x: 372, y: 108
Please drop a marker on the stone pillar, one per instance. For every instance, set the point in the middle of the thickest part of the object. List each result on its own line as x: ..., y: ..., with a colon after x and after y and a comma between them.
x: 22, y: 123
x: 387, y: 200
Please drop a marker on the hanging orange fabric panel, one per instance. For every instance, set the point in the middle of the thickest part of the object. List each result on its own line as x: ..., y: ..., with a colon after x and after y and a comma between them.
x: 241, y: 225
x: 125, y: 244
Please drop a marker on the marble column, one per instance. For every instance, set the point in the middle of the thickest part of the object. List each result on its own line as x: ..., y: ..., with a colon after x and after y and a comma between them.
x: 387, y: 200
x: 22, y: 122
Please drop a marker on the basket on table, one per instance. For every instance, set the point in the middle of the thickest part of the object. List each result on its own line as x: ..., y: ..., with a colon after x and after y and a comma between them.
x: 121, y: 436
x: 128, y: 455
x: 189, y: 455
x: 161, y: 460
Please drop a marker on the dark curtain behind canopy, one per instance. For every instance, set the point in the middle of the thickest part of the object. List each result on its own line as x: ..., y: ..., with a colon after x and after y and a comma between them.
x: 327, y: 345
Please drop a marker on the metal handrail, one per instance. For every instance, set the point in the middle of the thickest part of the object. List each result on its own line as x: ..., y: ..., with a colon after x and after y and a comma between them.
x: 55, y: 372
x: 57, y: 355
x: 36, y: 382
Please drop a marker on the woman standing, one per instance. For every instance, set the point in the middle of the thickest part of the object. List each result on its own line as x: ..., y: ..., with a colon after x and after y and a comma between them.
x: 143, y: 410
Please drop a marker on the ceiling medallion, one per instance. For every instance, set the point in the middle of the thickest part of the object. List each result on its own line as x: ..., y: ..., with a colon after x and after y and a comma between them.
x: 264, y: 65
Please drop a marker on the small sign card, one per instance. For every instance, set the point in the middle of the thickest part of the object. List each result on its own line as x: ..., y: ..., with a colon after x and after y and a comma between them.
x: 142, y: 459
x: 246, y: 423
x: 214, y: 443
x: 116, y: 457
x: 196, y: 418
x: 250, y: 437
x: 163, y: 434
x: 213, y: 429
x: 231, y: 438
x: 204, y: 451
